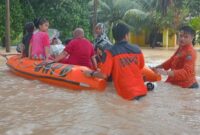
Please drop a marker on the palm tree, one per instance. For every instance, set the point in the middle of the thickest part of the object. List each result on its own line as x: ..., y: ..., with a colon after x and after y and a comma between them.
x: 157, y: 15
x: 150, y: 15
x: 136, y: 19
x: 110, y: 11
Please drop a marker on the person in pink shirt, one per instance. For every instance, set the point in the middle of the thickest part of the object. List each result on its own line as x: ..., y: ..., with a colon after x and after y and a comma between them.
x: 79, y: 51
x: 40, y: 42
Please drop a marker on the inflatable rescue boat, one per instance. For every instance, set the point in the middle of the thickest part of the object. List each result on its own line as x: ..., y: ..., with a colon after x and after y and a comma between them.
x: 65, y: 75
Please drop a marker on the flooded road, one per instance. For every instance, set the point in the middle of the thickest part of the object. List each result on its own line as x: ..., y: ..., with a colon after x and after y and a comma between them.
x: 33, y: 108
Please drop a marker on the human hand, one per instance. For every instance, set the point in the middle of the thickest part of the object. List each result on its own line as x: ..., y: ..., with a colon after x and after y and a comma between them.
x: 161, y: 71
x: 87, y: 72
x: 153, y: 68
x: 98, y: 69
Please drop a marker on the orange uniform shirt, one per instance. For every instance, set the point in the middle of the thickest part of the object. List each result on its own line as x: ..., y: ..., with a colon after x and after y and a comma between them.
x: 124, y: 62
x: 183, y: 65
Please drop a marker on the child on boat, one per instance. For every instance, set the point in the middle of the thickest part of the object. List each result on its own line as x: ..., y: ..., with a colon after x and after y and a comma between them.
x: 40, y: 42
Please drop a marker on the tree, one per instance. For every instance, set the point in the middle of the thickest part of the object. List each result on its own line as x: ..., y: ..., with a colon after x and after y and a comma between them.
x: 157, y: 15
x: 16, y: 20
x: 194, y: 8
x: 110, y: 11
x: 64, y: 15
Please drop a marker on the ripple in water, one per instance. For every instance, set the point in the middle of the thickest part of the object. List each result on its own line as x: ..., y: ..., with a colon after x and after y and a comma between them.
x: 31, y: 107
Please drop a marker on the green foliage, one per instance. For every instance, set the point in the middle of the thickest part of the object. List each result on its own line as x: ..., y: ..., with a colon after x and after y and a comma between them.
x: 113, y: 10
x: 157, y: 15
x: 195, y: 24
x: 28, y: 11
x: 194, y: 7
x: 2, y: 19
x: 110, y: 11
x: 64, y: 15
x: 16, y: 18
x: 136, y: 18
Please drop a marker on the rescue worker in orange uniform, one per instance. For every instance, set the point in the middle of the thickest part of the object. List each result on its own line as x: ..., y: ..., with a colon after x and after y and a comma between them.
x: 180, y: 68
x: 124, y: 62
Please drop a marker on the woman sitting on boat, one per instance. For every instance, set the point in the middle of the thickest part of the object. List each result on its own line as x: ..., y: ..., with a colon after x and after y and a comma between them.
x: 101, y: 41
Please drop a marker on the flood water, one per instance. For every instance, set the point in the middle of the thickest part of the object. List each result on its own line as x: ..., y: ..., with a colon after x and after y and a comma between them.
x: 30, y: 107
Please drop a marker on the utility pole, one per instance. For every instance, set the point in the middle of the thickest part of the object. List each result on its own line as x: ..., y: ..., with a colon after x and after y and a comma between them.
x: 7, y: 26
x: 95, y: 15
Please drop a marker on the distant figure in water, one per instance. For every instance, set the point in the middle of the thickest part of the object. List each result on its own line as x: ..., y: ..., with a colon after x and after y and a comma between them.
x: 180, y: 68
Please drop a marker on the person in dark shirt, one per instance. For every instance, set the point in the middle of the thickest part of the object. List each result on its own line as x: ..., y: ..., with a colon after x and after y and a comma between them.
x: 28, y: 30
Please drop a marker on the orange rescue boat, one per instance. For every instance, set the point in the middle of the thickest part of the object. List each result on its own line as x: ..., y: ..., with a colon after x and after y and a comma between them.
x: 65, y: 75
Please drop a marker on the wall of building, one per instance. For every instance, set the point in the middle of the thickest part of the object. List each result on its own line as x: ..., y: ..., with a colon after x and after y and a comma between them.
x: 169, y: 40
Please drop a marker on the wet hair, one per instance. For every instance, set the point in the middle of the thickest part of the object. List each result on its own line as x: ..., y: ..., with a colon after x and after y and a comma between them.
x: 29, y: 27
x: 119, y: 31
x: 189, y: 30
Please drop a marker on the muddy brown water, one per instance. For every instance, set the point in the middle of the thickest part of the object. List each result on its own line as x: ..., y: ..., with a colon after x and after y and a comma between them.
x: 30, y: 107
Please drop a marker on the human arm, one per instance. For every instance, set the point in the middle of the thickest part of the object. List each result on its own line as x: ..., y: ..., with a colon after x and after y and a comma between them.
x: 65, y: 53
x: 167, y: 64
x: 47, y: 53
x: 30, y: 51
x: 61, y: 56
x: 164, y: 72
x: 188, y: 68
x: 187, y: 60
x: 106, y: 67
x: 163, y: 68
x: 94, y: 62
x: 46, y: 45
x: 141, y: 61
x: 22, y: 47
x: 98, y: 74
